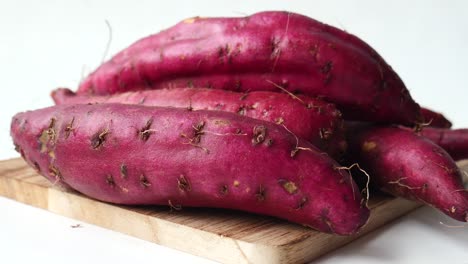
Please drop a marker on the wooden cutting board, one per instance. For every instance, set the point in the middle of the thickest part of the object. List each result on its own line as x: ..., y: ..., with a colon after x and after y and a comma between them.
x: 222, y: 235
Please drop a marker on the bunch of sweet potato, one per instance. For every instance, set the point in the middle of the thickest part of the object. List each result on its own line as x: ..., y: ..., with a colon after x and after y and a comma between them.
x: 248, y: 113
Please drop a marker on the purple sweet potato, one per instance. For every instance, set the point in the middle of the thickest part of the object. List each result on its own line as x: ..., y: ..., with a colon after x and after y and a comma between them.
x: 308, y: 118
x: 131, y: 154
x: 435, y: 119
x: 454, y: 141
x: 404, y: 164
x: 262, y: 52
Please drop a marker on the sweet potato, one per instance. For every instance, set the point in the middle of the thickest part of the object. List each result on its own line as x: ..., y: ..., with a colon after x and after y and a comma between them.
x: 454, y: 141
x: 131, y: 154
x: 262, y: 52
x: 308, y: 118
x: 407, y: 165
x: 435, y: 119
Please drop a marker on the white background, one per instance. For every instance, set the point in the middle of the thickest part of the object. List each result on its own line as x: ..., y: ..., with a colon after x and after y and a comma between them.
x: 49, y: 44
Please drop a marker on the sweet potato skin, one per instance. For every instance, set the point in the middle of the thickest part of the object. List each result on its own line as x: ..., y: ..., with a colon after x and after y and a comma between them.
x: 260, y: 52
x: 308, y: 118
x: 454, y: 141
x: 407, y: 165
x: 130, y: 154
x: 435, y: 119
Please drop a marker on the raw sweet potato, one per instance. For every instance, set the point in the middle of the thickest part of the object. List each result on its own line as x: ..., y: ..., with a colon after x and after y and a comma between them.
x: 454, y: 141
x: 262, y: 52
x: 131, y: 154
x: 308, y: 118
x: 407, y: 165
x: 435, y: 119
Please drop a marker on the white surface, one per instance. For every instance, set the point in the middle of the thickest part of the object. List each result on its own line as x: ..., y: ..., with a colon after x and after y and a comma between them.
x: 46, y: 44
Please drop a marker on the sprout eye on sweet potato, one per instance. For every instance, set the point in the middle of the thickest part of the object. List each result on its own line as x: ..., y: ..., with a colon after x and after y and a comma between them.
x: 190, y: 158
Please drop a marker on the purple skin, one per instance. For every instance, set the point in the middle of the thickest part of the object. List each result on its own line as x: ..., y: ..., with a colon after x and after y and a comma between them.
x: 435, y: 119
x: 308, y: 118
x: 257, y: 53
x: 130, y: 154
x: 404, y: 164
x: 454, y: 141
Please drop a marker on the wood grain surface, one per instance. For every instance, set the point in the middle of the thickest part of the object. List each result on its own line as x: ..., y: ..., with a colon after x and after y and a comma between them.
x: 221, y: 235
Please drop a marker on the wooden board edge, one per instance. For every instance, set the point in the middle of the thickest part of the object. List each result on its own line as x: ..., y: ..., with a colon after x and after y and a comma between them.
x: 388, y: 213
x: 149, y: 228
x: 314, y: 247
x: 160, y: 231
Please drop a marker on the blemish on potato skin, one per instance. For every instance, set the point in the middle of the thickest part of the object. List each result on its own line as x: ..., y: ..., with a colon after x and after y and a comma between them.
x: 326, y: 68
x: 314, y: 51
x: 325, y: 133
x: 98, y: 139
x: 48, y: 135
x: 51, y: 130
x: 328, y: 223
x: 198, y: 131
x: 260, y: 194
x: 195, y: 140
x: 259, y: 134
x: 145, y: 132
x: 69, y: 128
x: 222, y: 122
x: 241, y: 111
x: 289, y: 186
x: 237, y: 86
x: 274, y: 47
x: 368, y: 146
x: 142, y: 100
x: 219, y: 106
x: 236, y: 183
x: 110, y: 181
x: 224, y: 190
x: 183, y: 184
x: 123, y: 171
x: 453, y: 209
x: 144, y: 181
x: 43, y: 139
x: 302, y: 203
x: 243, y: 96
